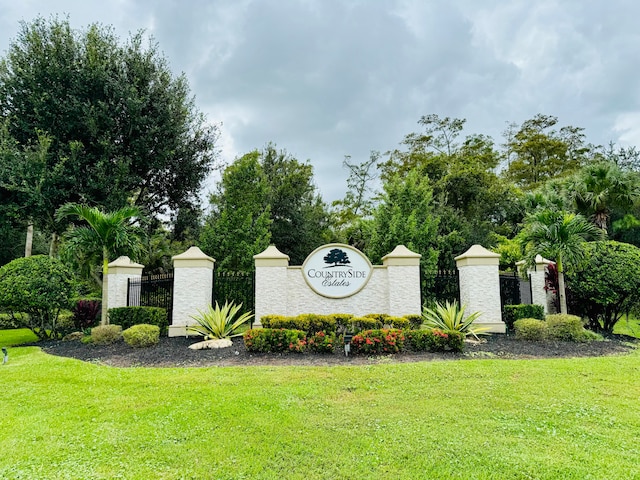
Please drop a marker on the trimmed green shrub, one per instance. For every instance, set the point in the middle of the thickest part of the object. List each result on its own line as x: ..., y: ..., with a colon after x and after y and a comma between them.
x: 530, y: 329
x: 322, y: 342
x: 397, y: 322
x: 142, y: 335
x: 86, y: 314
x: 319, y: 323
x: 358, y: 324
x: 106, y: 334
x: 435, y: 340
x: 129, y: 316
x: 564, y: 327
x: 267, y: 321
x: 380, y: 317
x: 39, y: 286
x: 376, y: 342
x: 415, y: 321
x: 342, y: 321
x: 273, y: 340
x: 516, y: 312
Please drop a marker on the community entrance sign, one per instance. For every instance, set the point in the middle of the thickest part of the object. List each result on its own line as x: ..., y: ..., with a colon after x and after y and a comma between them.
x: 336, y: 270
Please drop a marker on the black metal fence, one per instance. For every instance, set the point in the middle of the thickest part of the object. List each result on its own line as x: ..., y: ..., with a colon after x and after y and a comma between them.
x: 237, y: 287
x: 509, y: 289
x: 152, y: 291
x: 446, y: 286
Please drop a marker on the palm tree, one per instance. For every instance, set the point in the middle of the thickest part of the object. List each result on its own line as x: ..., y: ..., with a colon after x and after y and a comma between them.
x: 559, y: 236
x: 599, y: 188
x: 108, y: 235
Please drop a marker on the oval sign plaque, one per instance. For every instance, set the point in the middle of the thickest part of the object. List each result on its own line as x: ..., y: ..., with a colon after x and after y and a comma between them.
x: 336, y: 270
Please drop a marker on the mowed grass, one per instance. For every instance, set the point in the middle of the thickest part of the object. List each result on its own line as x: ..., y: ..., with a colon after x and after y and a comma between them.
x: 476, y: 419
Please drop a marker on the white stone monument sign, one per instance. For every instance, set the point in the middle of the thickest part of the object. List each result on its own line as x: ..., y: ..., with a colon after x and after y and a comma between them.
x: 336, y: 271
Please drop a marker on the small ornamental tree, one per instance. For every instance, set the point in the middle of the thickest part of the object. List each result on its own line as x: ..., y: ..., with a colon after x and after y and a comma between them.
x: 606, y: 284
x: 40, y: 287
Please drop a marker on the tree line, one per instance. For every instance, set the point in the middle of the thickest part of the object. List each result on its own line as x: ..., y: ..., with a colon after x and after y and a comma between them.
x: 90, y: 122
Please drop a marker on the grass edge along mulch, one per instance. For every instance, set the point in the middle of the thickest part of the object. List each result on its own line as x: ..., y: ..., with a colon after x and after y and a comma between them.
x: 558, y: 418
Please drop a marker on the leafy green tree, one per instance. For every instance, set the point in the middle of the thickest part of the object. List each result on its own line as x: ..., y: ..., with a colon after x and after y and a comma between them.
x: 599, y: 189
x: 39, y: 287
x: 559, y: 236
x: 606, y: 284
x: 107, y: 235
x: 239, y: 224
x: 405, y: 216
x: 122, y: 128
x: 300, y: 220
x: 471, y: 201
x: 537, y: 152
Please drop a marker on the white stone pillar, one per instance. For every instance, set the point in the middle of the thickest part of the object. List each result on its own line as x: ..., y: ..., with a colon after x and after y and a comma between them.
x: 480, y: 286
x: 119, y: 272
x: 537, y: 274
x: 403, y: 273
x: 192, y: 288
x: 271, y: 283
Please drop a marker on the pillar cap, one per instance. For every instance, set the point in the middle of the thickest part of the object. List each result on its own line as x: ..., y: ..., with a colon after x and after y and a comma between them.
x: 401, y: 255
x: 193, y: 257
x: 478, y: 255
x: 271, y: 257
x: 124, y: 264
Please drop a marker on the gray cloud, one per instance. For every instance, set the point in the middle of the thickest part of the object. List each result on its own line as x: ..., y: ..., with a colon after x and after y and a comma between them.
x: 328, y: 78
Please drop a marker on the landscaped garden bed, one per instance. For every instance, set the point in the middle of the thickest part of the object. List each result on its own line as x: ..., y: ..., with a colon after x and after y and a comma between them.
x: 171, y: 352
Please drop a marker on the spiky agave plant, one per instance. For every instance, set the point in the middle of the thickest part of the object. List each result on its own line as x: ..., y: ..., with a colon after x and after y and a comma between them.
x: 219, y: 322
x: 450, y: 317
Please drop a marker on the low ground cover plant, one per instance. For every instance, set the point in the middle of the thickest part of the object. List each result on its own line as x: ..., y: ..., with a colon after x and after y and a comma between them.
x: 141, y: 336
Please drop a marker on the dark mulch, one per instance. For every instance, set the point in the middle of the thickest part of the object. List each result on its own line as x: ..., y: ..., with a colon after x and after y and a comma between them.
x: 173, y: 352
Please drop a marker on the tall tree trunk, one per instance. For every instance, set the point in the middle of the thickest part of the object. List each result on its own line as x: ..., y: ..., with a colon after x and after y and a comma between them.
x: 53, y: 247
x: 561, y: 292
x: 29, y: 243
x: 105, y: 287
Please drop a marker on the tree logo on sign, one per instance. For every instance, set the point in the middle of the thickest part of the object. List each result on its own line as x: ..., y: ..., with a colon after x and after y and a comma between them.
x: 337, y: 258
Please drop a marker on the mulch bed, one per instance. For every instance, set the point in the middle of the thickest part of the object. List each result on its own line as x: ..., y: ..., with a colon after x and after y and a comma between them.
x: 173, y: 352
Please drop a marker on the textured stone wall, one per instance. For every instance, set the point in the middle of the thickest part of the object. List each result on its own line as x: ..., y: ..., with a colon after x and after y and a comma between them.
x: 283, y: 291
x: 480, y: 292
x: 117, y: 286
x: 404, y: 290
x: 192, y: 288
x: 538, y: 293
x: 373, y: 298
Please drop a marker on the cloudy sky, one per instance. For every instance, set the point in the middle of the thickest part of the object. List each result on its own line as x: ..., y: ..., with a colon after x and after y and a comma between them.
x: 328, y: 78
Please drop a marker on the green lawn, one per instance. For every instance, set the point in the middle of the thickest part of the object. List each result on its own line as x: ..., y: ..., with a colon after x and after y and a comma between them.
x: 16, y: 337
x: 628, y: 326
x: 476, y: 419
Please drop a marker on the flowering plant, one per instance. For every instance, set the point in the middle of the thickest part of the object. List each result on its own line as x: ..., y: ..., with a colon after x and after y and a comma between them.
x: 378, y: 341
x: 322, y: 342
